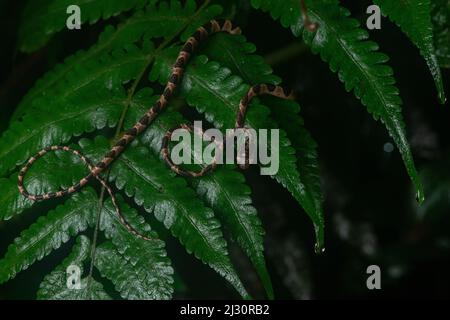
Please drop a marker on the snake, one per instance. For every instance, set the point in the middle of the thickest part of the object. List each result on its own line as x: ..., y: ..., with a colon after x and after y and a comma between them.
x: 95, y: 170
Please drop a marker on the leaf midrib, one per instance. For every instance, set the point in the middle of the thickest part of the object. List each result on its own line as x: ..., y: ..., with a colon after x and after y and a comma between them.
x: 348, y: 53
x: 236, y: 211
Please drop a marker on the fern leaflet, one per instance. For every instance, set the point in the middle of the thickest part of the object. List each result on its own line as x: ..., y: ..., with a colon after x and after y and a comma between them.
x: 414, y: 17
x: 344, y: 45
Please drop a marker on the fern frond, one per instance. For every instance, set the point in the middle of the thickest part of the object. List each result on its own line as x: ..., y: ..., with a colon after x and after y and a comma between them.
x: 43, y: 18
x: 227, y: 194
x: 73, y: 91
x: 49, y: 233
x: 54, y: 286
x: 163, y: 20
x: 129, y: 280
x: 238, y: 55
x: 214, y: 91
x: 145, y: 260
x: 48, y: 174
x: 254, y: 70
x: 127, y: 259
x: 78, y: 92
x: 287, y: 114
x: 344, y: 45
x: 148, y: 181
x: 414, y: 18
x: 76, y: 105
x: 440, y: 13
x: 11, y: 202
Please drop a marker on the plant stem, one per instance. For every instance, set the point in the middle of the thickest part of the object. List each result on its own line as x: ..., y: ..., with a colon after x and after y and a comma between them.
x: 94, y: 240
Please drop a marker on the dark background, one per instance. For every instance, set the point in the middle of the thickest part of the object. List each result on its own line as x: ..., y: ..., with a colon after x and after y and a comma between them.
x: 370, y: 209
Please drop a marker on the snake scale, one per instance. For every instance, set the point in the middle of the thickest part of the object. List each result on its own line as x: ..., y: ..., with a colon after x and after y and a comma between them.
x: 178, y: 68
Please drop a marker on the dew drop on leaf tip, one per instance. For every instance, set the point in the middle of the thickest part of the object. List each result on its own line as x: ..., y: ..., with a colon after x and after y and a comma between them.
x: 318, y: 248
x: 420, y: 196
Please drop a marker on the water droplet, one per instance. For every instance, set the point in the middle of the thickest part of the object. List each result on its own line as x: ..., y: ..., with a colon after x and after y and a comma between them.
x: 318, y: 248
x: 420, y: 196
x: 388, y: 147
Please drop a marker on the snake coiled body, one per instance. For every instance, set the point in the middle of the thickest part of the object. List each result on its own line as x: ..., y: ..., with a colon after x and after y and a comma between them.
x: 95, y: 170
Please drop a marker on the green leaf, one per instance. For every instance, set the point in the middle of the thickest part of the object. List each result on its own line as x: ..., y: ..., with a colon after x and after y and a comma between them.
x: 223, y: 190
x: 253, y: 70
x: 229, y: 197
x: 49, y: 233
x: 345, y: 46
x: 46, y: 175
x: 54, y: 286
x: 43, y: 18
x: 138, y: 268
x: 134, y: 282
x: 153, y: 186
x: 213, y: 90
x: 92, y: 98
x: 86, y: 84
x: 165, y: 20
x: 11, y: 201
x: 287, y: 113
x: 146, y: 260
x: 440, y: 13
x: 71, y: 99
x: 237, y: 54
x: 414, y: 18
